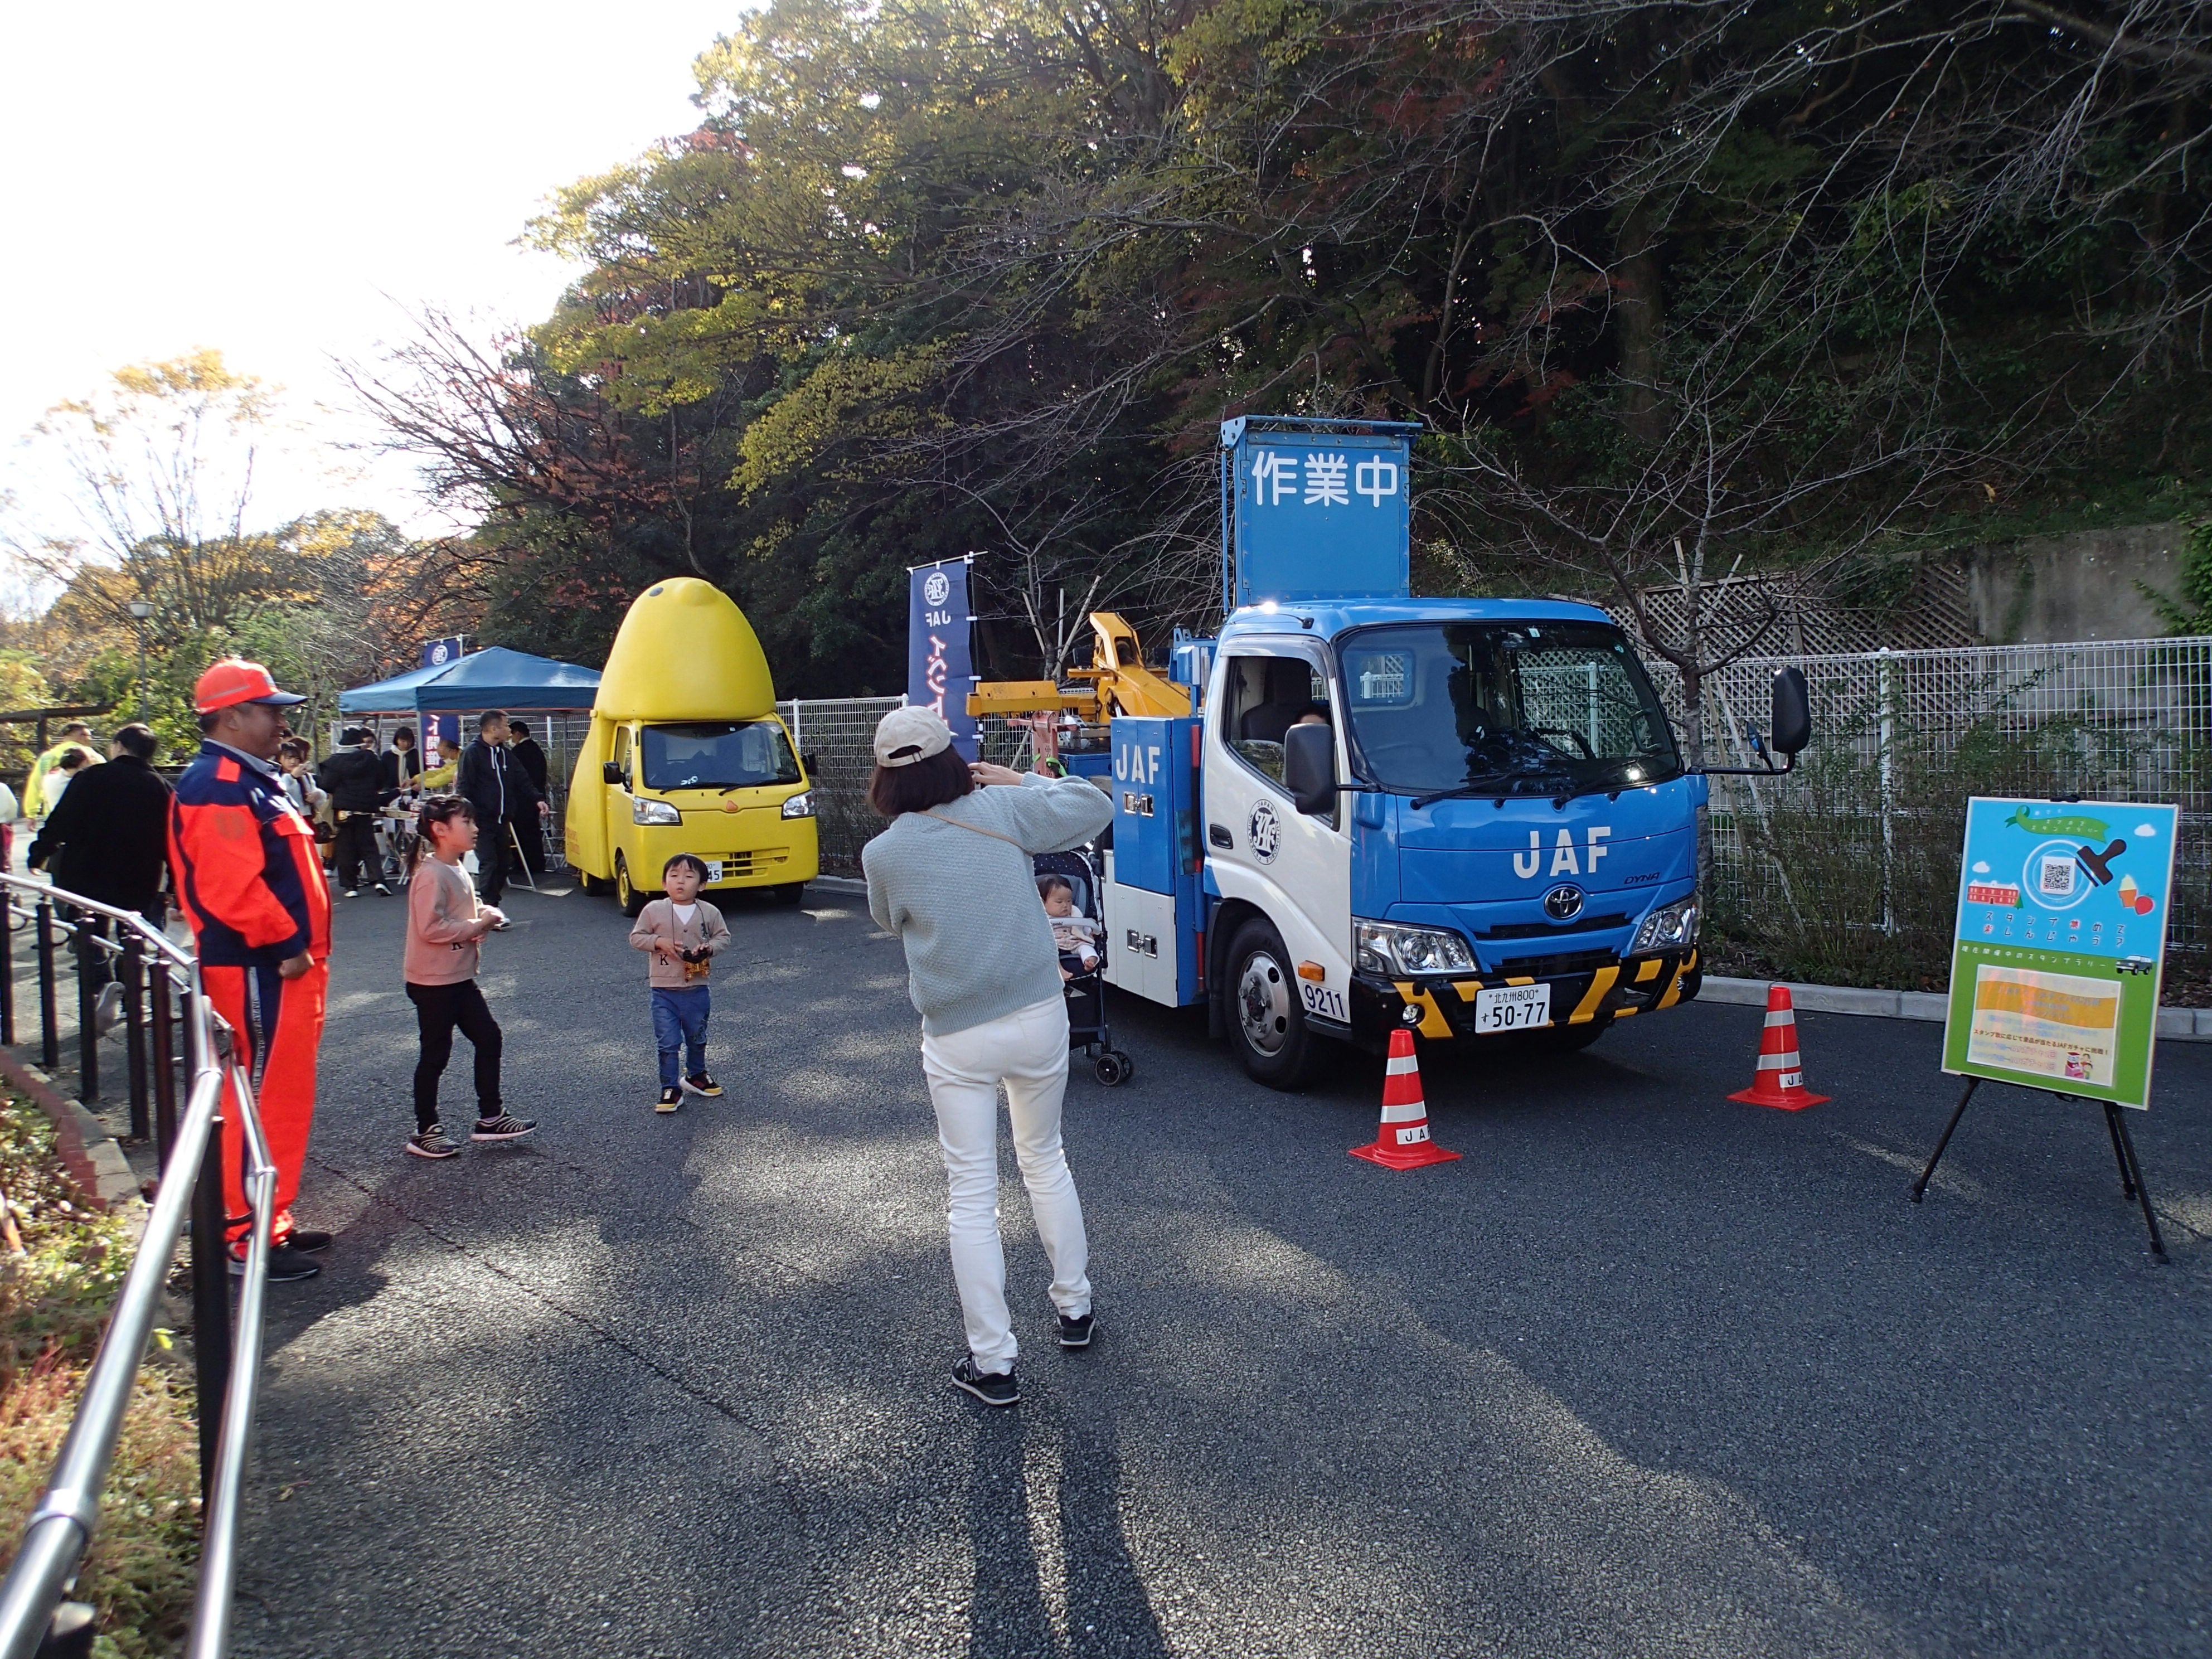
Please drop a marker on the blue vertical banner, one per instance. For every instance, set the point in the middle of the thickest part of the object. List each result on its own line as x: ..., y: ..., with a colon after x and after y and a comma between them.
x: 436, y: 653
x: 940, y: 669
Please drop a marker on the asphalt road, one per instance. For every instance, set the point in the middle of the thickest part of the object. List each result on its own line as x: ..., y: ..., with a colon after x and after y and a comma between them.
x: 1645, y: 1373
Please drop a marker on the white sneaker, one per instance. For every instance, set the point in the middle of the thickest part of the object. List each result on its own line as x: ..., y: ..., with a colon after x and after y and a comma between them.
x: 109, y: 1008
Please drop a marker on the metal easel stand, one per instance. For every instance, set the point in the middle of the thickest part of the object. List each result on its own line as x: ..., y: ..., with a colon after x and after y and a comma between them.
x: 2123, y: 1153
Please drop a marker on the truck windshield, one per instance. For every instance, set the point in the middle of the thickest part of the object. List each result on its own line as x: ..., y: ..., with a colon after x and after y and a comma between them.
x: 717, y: 754
x: 1526, y: 708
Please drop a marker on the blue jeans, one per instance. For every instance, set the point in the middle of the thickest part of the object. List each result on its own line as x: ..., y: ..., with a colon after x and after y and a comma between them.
x: 679, y: 1020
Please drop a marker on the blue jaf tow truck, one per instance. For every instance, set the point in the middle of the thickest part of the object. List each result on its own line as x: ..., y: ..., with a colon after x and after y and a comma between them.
x: 1466, y: 816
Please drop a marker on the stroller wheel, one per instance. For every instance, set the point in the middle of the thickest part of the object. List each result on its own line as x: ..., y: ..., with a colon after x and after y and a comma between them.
x: 1114, y: 1067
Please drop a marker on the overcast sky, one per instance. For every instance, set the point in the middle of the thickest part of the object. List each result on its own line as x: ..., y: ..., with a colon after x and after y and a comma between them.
x: 282, y: 182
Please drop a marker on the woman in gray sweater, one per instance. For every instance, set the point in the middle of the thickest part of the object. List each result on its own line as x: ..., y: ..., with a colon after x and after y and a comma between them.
x: 951, y: 877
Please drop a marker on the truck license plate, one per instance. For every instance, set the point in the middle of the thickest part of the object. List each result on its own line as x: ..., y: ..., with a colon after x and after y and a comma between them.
x: 1512, y: 1008
x: 714, y: 870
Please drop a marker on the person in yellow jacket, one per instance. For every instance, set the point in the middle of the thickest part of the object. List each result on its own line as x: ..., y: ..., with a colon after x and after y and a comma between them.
x: 75, y: 735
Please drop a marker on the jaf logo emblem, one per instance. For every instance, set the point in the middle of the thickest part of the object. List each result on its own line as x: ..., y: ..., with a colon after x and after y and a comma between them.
x: 1265, y: 833
x: 1564, y: 902
x: 936, y: 587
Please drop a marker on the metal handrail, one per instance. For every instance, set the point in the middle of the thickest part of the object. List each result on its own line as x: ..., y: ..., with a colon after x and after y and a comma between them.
x: 61, y: 1524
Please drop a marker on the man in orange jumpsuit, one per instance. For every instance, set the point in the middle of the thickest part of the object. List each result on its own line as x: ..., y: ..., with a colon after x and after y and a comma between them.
x: 251, y: 883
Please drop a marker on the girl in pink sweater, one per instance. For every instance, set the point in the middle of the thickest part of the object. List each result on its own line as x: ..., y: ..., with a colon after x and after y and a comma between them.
x: 444, y: 922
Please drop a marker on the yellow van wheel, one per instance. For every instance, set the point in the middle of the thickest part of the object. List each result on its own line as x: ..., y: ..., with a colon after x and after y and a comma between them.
x: 626, y: 891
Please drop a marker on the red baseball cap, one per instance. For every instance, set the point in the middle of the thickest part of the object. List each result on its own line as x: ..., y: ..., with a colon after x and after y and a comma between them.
x: 230, y: 681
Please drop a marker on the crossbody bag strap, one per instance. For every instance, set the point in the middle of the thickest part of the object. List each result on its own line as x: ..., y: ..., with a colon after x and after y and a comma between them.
x: 979, y: 830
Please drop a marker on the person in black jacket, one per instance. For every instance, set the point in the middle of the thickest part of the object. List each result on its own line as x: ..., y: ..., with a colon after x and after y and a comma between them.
x: 502, y: 793
x: 354, y: 776
x: 522, y: 751
x: 108, y: 838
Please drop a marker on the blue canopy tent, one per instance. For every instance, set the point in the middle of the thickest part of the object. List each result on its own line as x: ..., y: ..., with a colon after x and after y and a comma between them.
x: 495, y: 677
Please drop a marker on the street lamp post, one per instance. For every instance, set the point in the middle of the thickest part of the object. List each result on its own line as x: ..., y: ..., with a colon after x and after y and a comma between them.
x: 140, y: 610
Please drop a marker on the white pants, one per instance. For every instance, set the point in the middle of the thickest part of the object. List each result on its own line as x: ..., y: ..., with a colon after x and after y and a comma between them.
x: 1026, y: 1050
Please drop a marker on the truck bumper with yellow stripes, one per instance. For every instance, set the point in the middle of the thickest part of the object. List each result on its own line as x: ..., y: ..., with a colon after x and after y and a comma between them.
x: 1599, y: 991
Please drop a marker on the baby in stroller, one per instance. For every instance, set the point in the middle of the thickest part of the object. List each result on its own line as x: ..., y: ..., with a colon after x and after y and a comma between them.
x: 1067, y: 884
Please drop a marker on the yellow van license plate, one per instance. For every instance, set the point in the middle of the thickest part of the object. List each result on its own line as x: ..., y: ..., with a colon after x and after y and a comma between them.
x: 714, y: 870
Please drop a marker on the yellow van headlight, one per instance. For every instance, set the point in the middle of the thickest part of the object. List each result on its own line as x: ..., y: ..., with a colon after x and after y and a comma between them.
x: 642, y: 810
x: 800, y: 805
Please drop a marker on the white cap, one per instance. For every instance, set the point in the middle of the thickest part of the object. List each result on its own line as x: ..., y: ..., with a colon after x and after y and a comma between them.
x: 910, y: 734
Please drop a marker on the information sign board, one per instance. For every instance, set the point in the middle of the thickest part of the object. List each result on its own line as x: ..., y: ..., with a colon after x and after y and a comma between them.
x: 2060, y: 946
x: 1317, y: 509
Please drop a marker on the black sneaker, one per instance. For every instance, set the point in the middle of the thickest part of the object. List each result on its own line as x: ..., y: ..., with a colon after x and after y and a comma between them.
x: 669, y: 1101
x: 505, y: 1126
x: 284, y: 1266
x: 306, y: 1241
x: 383, y: 890
x: 700, y: 1084
x: 991, y: 1389
x: 432, y: 1142
x: 1076, y: 1332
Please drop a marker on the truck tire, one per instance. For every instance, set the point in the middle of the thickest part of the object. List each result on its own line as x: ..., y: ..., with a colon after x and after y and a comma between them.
x: 791, y: 892
x: 627, y: 893
x: 1267, y: 1022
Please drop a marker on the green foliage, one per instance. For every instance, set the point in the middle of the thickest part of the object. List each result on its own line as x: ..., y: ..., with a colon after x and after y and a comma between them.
x: 55, y: 1292
x: 2190, y: 612
x: 982, y: 274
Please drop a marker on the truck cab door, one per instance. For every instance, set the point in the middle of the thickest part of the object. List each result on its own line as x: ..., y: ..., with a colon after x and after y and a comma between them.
x: 1296, y: 868
x: 622, y: 750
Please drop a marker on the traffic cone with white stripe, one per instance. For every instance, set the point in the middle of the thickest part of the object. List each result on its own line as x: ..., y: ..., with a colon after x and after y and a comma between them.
x: 1780, y: 1080
x: 1402, y: 1142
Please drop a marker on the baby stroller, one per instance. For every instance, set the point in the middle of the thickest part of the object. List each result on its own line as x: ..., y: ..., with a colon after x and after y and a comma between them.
x: 1087, y: 1031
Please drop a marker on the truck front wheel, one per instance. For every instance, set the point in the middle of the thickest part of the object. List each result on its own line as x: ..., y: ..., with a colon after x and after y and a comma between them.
x: 1267, y: 1022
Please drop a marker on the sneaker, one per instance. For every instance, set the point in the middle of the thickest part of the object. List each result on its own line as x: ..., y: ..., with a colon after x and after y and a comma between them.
x: 997, y: 1389
x: 353, y: 892
x: 306, y: 1241
x: 384, y: 890
x: 1076, y: 1332
x: 700, y: 1084
x: 109, y: 1008
x: 431, y: 1143
x: 669, y: 1101
x: 505, y: 1126
x: 284, y: 1265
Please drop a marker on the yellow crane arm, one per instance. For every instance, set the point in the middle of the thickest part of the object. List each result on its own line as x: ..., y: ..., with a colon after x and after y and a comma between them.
x: 1120, y: 683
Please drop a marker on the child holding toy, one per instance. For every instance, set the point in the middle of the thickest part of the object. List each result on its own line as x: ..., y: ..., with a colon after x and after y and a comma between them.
x: 682, y: 932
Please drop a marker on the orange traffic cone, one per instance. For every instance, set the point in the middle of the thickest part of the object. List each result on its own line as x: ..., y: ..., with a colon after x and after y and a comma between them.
x: 1780, y: 1080
x: 1402, y: 1142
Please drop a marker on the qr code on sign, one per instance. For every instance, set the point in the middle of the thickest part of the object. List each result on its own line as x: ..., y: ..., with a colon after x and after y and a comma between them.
x: 2058, y: 877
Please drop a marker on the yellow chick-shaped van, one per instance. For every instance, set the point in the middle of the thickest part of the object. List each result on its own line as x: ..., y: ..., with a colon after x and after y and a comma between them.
x: 688, y: 755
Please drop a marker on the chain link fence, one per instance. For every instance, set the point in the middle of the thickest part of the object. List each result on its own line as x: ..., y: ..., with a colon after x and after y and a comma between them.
x: 1847, y: 871
x: 835, y: 735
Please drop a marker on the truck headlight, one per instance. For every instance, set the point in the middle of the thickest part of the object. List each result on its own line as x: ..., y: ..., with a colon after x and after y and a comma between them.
x: 800, y: 805
x: 642, y: 810
x: 1382, y: 947
x: 1669, y: 927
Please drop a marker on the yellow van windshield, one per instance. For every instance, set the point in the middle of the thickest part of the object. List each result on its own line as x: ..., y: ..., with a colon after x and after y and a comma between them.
x: 717, y: 754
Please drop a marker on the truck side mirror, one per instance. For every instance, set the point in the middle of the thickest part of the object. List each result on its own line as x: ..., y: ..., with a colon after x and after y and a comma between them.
x: 1309, y: 767
x: 812, y: 763
x: 610, y: 772
x: 1792, y: 724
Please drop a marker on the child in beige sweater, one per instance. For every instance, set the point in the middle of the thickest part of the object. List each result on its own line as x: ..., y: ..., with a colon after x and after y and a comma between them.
x: 444, y: 922
x: 681, y: 932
